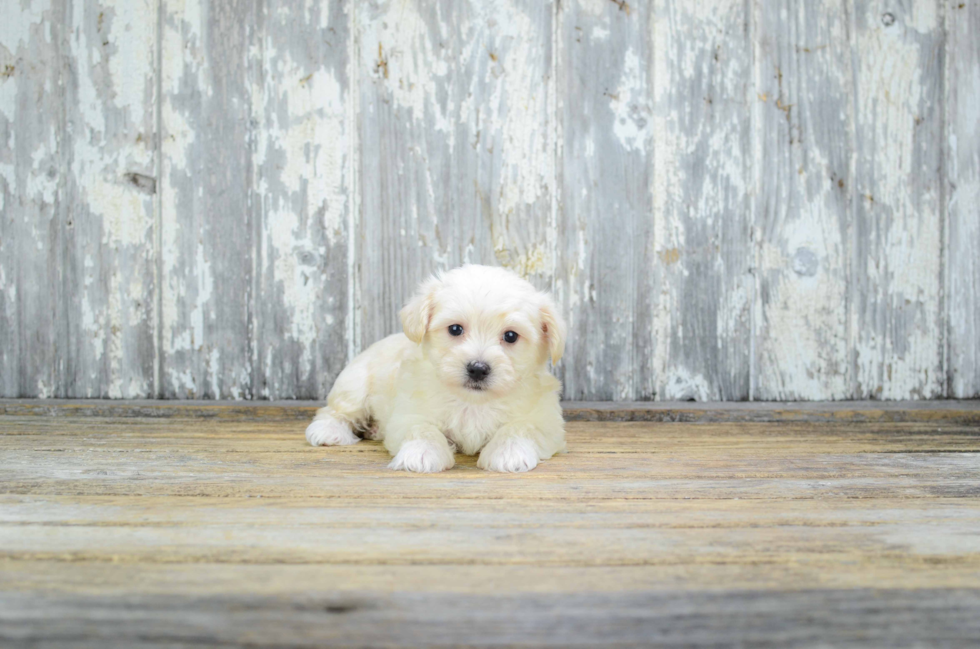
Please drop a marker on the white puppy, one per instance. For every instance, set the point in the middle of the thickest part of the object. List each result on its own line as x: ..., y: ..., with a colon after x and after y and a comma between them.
x: 469, y: 374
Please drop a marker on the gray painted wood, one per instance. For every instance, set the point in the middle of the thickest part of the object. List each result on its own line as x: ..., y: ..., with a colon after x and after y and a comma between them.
x: 606, y: 280
x: 456, y: 159
x: 803, y: 152
x: 109, y: 264
x: 300, y: 197
x: 962, y: 165
x: 33, y: 200
x: 895, y: 282
x: 206, y: 218
x: 221, y: 200
x: 701, y: 146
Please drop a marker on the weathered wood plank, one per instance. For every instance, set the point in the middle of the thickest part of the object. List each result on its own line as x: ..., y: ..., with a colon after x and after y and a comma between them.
x: 34, y: 153
x: 345, y: 580
x: 206, y: 220
x: 804, y: 618
x: 953, y: 412
x: 789, y: 533
x: 456, y: 159
x: 269, y: 458
x: 701, y: 135
x: 485, y: 532
x: 300, y: 198
x: 804, y: 148
x: 111, y: 185
x: 601, y: 149
x: 605, y: 278
x: 896, y: 324
x: 962, y: 167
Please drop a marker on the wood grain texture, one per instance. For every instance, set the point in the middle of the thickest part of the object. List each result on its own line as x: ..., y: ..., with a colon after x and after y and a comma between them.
x: 456, y: 159
x: 606, y: 278
x: 701, y: 127
x: 206, y: 218
x: 730, y: 200
x: 34, y: 152
x: 954, y: 412
x: 895, y: 282
x: 300, y: 197
x: 195, y: 532
x: 111, y: 183
x: 945, y: 617
x: 804, y: 116
x: 962, y: 165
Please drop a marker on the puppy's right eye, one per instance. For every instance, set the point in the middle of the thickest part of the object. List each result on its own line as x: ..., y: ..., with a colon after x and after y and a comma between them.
x: 455, y: 330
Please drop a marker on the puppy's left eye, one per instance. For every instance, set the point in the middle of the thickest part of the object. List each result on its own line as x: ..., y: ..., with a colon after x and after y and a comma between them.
x: 510, y: 336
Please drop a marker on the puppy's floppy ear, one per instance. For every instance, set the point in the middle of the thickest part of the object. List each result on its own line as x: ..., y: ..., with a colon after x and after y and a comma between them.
x: 553, y: 327
x: 417, y: 314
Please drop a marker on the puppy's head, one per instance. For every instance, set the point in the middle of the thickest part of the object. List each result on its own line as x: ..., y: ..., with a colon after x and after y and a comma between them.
x: 484, y: 328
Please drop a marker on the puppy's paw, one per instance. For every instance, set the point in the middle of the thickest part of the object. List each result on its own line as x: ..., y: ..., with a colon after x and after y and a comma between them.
x: 510, y: 455
x: 330, y: 432
x: 423, y: 456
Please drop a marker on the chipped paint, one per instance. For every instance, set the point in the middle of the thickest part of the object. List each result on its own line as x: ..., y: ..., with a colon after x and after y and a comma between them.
x: 727, y: 206
x: 896, y: 319
x: 630, y: 105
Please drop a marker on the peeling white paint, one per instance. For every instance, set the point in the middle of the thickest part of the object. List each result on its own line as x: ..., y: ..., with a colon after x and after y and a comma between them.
x: 630, y: 104
x: 903, y: 264
x: 20, y: 19
x: 473, y: 87
x: 403, y: 54
x: 527, y: 157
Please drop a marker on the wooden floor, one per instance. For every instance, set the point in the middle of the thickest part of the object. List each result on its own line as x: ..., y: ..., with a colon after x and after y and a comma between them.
x: 220, y: 526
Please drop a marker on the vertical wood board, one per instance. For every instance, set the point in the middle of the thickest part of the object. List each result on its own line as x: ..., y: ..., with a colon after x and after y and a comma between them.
x: 895, y: 281
x: 962, y: 164
x: 33, y: 199
x: 804, y: 151
x: 606, y: 280
x: 206, y: 220
x: 300, y: 197
x: 456, y: 161
x: 110, y: 104
x: 701, y: 128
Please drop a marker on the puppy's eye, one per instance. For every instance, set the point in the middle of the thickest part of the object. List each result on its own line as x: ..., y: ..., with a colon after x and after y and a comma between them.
x: 510, y: 336
x: 456, y: 330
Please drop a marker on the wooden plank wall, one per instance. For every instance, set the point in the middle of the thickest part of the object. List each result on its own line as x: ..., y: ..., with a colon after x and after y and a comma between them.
x: 731, y: 200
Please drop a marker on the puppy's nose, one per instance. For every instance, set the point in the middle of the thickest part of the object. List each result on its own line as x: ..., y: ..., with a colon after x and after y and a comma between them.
x: 477, y: 370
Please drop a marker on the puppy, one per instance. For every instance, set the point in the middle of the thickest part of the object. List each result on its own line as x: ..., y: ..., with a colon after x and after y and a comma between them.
x: 469, y: 374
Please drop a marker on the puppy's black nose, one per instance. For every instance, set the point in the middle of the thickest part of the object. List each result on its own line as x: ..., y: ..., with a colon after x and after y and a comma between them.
x: 477, y: 370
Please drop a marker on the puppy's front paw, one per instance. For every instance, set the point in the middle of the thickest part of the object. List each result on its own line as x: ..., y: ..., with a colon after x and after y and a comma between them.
x: 510, y: 455
x: 423, y: 456
x: 330, y: 432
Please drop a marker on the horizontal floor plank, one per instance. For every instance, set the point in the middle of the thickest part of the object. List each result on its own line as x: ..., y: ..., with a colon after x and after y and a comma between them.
x: 964, y: 411
x: 812, y: 617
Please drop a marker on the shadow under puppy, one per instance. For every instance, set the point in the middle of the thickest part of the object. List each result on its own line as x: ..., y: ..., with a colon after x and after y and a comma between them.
x: 469, y: 374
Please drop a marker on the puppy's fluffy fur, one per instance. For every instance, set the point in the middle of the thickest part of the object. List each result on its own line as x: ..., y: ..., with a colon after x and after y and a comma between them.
x: 428, y: 392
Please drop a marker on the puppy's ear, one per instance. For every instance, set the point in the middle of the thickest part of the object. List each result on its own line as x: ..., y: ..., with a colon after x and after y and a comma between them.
x: 417, y: 314
x: 553, y: 327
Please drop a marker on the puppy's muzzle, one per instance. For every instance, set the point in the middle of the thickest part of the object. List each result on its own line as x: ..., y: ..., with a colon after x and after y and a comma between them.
x: 477, y: 371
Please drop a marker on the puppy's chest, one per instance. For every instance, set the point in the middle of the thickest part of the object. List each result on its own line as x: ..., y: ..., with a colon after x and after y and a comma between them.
x: 471, y: 425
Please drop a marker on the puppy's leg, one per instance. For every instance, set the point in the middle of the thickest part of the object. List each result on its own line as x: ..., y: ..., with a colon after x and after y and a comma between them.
x: 346, y: 410
x: 510, y: 450
x: 418, y: 446
x: 329, y: 428
x: 518, y: 446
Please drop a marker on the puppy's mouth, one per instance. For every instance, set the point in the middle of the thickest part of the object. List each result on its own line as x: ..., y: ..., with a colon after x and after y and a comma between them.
x: 476, y: 386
